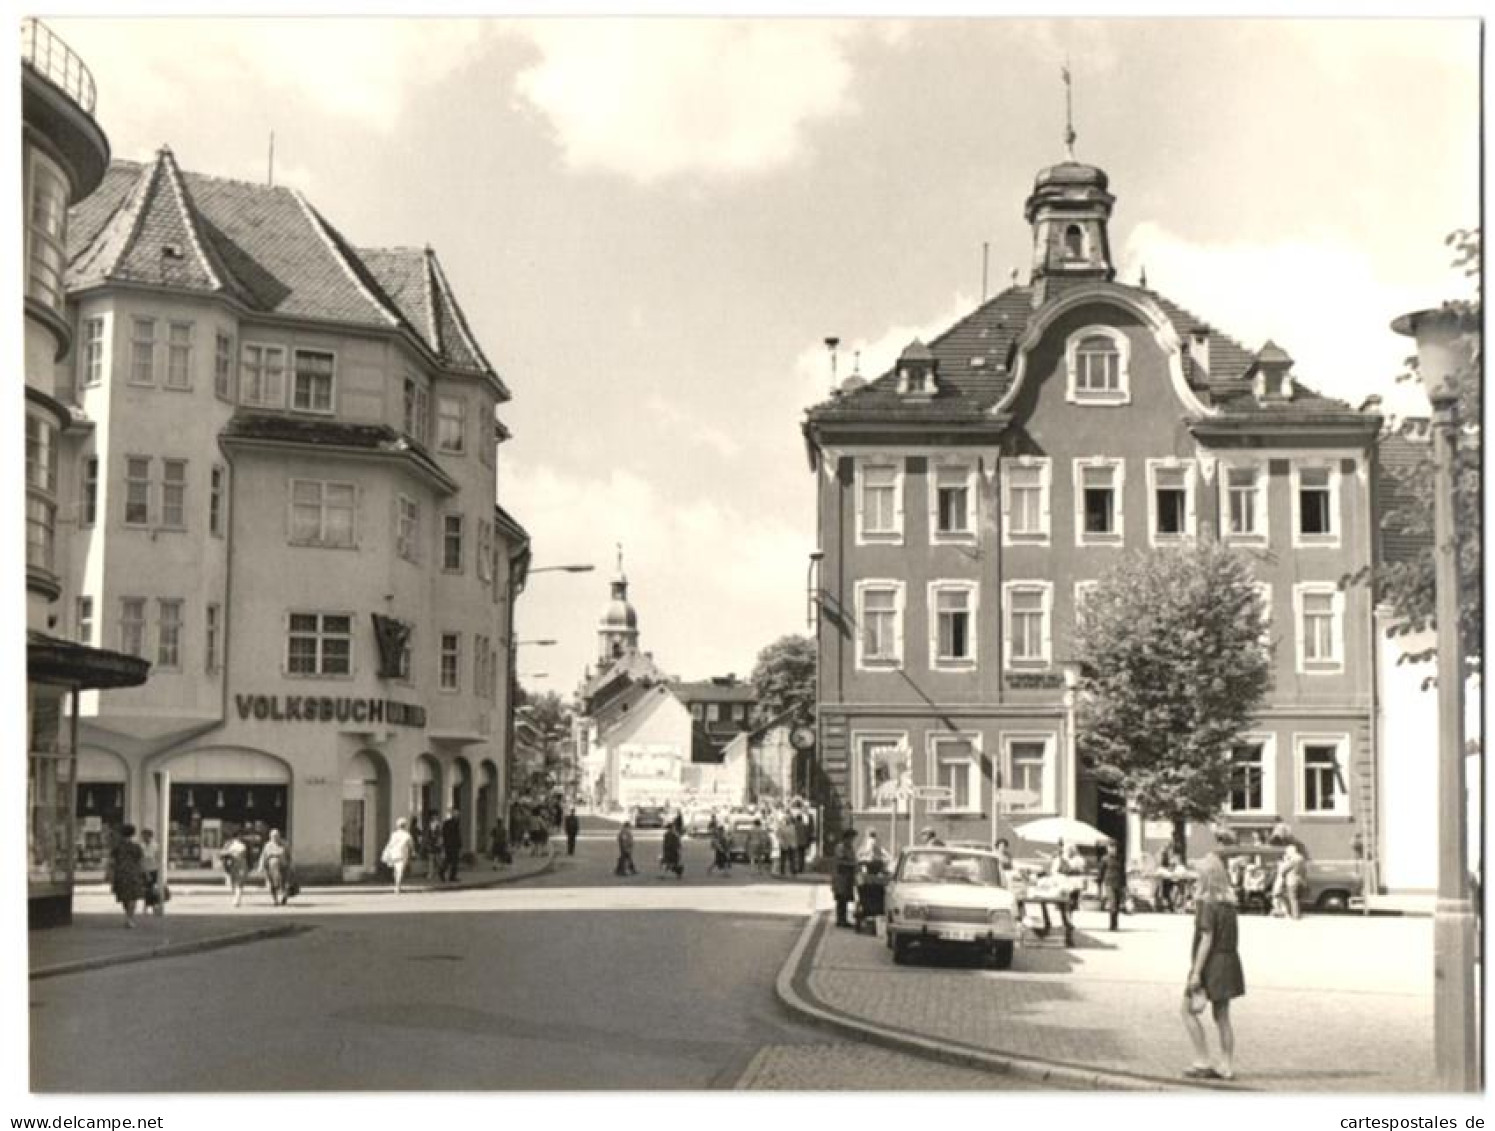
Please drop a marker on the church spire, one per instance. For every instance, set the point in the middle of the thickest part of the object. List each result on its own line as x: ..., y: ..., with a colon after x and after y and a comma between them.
x: 617, y: 631
x: 1069, y: 113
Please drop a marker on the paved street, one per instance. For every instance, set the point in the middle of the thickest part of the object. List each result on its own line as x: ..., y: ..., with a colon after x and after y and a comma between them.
x: 589, y: 982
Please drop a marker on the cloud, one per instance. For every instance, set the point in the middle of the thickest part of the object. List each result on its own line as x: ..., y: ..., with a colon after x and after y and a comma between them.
x: 654, y: 99
x: 689, y: 429
x: 712, y: 582
x: 357, y: 69
x: 1323, y: 300
x: 877, y: 355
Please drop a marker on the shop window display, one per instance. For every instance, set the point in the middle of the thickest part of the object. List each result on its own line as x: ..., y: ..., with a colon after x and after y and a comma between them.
x: 48, y: 860
x: 205, y: 816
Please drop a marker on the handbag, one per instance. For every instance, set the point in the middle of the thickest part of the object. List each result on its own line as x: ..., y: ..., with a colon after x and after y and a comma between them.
x: 292, y: 888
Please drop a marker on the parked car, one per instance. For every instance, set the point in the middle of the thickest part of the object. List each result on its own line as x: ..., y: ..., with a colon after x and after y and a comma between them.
x: 738, y: 829
x: 649, y: 817
x: 951, y: 897
x: 698, y: 823
x: 1328, y: 885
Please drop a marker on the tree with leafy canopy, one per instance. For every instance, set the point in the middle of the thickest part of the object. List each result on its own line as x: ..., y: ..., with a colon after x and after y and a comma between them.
x: 1409, y: 585
x: 783, y: 679
x: 1173, y: 669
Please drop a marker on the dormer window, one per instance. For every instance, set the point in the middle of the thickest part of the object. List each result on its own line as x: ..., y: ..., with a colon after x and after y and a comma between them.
x: 1097, y: 362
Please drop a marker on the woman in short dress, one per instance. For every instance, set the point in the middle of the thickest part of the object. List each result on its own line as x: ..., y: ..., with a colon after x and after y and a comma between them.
x: 398, y: 851
x: 127, y: 863
x: 1215, y: 973
x: 275, y: 865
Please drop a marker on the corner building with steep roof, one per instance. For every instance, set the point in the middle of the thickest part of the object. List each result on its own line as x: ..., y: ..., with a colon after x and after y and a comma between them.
x: 281, y: 472
x: 967, y: 497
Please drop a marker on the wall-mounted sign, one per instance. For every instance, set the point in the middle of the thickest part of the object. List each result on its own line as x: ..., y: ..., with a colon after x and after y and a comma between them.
x: 1035, y: 679
x: 328, y: 709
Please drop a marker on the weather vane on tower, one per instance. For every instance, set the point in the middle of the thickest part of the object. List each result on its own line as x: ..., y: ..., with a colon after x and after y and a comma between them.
x: 1069, y: 112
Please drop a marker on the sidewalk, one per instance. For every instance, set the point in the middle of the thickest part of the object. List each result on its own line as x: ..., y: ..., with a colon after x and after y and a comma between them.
x: 1339, y: 1003
x: 96, y: 939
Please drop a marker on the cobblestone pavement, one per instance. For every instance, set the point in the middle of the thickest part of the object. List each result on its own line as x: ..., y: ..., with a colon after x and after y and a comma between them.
x: 865, y: 1068
x: 1334, y: 1003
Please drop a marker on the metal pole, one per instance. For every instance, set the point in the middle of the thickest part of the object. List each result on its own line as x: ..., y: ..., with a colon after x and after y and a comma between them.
x: 1454, y: 989
x: 165, y: 841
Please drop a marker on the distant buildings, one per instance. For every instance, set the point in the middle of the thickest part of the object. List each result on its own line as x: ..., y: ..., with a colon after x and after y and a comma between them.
x: 277, y: 486
x: 968, y: 497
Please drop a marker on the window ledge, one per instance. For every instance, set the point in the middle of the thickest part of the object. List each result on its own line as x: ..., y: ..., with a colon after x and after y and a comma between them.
x: 1109, y: 541
x: 955, y: 537
x: 880, y: 539
x: 956, y: 666
x: 319, y: 545
x: 1106, y: 400
x: 318, y: 676
x: 1019, y: 538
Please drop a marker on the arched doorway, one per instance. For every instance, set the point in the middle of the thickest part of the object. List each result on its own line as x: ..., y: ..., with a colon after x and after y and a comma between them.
x: 218, y: 793
x: 425, y: 789
x: 101, y: 798
x: 487, y: 815
x: 461, y: 797
x: 365, y: 815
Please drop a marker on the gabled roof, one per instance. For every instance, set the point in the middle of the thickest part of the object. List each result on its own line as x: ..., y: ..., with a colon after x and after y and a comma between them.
x: 266, y: 248
x: 975, y: 358
x: 710, y: 691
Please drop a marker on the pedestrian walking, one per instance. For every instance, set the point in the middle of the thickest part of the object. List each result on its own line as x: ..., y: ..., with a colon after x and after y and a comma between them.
x: 1215, y: 974
x: 625, y: 852
x: 234, y: 856
x: 801, y: 840
x: 844, y: 878
x: 1004, y: 855
x: 670, y: 858
x: 573, y: 829
x: 721, y: 850
x: 127, y: 873
x: 539, y: 832
x: 397, y: 852
x: 872, y: 854
x: 155, y: 893
x: 1293, y: 866
x: 275, y: 866
x: 430, y: 844
x: 784, y: 834
x: 498, y: 845
x: 1113, y: 882
x: 451, y: 845
x: 759, y: 849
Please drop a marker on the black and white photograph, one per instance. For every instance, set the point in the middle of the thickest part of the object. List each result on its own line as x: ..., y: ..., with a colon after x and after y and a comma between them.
x: 672, y: 553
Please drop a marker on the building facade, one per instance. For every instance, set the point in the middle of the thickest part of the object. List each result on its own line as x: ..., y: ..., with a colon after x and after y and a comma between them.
x: 968, y: 497
x: 63, y: 157
x: 281, y: 493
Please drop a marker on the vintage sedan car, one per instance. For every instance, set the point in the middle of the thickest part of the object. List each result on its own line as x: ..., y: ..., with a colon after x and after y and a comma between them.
x: 1328, y: 885
x: 649, y: 817
x: 944, y: 896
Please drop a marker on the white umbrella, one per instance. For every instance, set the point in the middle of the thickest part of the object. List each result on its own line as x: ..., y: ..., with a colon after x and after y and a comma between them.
x: 1051, y: 830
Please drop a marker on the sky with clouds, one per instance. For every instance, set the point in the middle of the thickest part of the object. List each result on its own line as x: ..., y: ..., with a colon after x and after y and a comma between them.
x: 652, y: 225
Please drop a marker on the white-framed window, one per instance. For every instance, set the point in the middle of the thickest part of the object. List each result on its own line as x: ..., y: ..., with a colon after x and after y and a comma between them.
x: 1097, y: 360
x: 1319, y: 610
x: 223, y: 367
x: 1315, y: 504
x: 322, y: 513
x: 1100, y: 486
x: 319, y: 644
x: 41, y: 454
x: 407, y: 528
x: 217, y: 500
x: 1030, y: 772
x: 132, y: 626
x: 1243, y: 503
x: 174, y: 494
x: 91, y: 356
x: 169, y: 634
x: 83, y: 620
x: 1029, y: 638
x: 262, y: 376
x: 1253, y: 775
x: 879, y: 605
x: 312, y: 381
x: 955, y: 763
x: 740, y: 712
x: 952, y: 501
x: 714, y: 713
x: 1026, y: 482
x: 451, y: 543
x: 41, y: 533
x: 142, y: 351
x: 89, y: 511
x: 884, y: 761
x: 137, y: 491
x: 179, y: 355
x: 451, y: 424
x: 485, y: 551
x: 879, y: 501
x: 451, y: 661
x: 1170, y: 501
x: 1323, y: 772
x: 46, y: 232
x: 212, y: 637
x: 953, y: 606
x: 417, y: 409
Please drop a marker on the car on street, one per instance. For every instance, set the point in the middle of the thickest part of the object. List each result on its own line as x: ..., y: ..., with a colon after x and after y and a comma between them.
x: 738, y: 829
x: 1328, y: 885
x: 649, y: 817
x: 699, y: 822
x: 945, y: 896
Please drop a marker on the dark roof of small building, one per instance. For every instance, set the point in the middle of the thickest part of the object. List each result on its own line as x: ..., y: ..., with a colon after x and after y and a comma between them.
x: 713, y: 691
x: 264, y: 247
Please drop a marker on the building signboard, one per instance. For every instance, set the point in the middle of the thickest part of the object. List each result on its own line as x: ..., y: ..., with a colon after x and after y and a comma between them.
x: 327, y: 709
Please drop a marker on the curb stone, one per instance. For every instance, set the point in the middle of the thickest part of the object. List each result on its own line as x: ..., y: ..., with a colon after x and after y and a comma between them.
x: 792, y: 986
x: 169, y: 950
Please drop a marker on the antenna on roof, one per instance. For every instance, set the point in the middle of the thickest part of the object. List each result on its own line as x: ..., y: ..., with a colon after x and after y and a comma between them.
x: 1069, y: 112
x: 270, y: 173
x: 985, y: 252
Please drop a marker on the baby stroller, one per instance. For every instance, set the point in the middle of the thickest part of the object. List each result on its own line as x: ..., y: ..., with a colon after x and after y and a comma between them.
x: 872, y: 886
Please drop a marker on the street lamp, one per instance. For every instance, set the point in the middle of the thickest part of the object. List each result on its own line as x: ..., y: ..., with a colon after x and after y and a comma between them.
x: 1445, y: 345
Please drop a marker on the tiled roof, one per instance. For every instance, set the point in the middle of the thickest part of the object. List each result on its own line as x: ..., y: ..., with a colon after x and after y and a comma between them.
x: 974, y: 355
x: 266, y: 247
x: 1397, y: 454
x: 709, y: 691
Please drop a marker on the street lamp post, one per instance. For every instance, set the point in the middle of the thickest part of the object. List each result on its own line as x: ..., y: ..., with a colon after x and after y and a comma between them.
x: 1445, y: 340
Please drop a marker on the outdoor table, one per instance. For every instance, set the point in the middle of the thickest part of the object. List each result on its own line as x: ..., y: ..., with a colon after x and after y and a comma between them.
x: 1059, y: 900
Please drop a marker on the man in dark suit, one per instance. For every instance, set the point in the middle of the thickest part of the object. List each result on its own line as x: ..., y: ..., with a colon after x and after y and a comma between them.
x: 451, y: 845
x: 573, y: 827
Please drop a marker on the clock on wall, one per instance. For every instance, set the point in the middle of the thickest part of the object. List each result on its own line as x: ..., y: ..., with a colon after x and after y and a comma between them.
x: 802, y: 738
